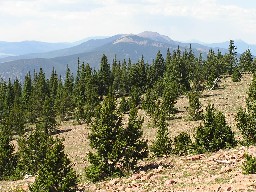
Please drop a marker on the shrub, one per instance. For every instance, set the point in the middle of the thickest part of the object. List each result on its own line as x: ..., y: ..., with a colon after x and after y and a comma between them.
x: 249, y: 166
x: 215, y: 134
x: 182, y: 144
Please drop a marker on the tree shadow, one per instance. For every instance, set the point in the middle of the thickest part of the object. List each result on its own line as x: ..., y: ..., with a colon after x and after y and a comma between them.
x: 61, y: 131
x: 152, y: 166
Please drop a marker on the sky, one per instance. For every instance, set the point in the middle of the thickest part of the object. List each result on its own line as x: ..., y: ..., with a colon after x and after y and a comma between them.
x: 72, y: 20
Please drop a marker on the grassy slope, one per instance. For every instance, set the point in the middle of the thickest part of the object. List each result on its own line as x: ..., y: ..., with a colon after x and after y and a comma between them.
x: 190, y: 173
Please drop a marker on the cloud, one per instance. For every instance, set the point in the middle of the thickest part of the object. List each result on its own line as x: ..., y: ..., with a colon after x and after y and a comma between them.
x: 69, y: 20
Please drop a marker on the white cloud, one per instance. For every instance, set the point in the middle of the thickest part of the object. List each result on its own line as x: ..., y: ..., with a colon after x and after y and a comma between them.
x: 70, y: 20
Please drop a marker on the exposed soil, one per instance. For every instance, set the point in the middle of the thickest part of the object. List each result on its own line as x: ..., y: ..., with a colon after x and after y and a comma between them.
x: 220, y: 171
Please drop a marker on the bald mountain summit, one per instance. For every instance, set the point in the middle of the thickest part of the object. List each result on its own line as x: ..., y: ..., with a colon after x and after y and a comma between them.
x: 16, y: 60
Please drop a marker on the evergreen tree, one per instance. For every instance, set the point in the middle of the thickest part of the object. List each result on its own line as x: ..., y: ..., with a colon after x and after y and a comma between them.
x: 32, y: 151
x: 162, y: 145
x: 245, y: 61
x: 56, y: 173
x: 104, y: 76
x: 135, y: 147
x: 7, y: 157
x: 215, y: 134
x: 236, y: 76
x: 105, y: 139
x: 194, y: 109
x: 246, y: 119
x: 231, y: 59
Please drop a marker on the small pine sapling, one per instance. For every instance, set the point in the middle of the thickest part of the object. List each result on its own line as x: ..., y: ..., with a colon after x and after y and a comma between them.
x: 162, y: 144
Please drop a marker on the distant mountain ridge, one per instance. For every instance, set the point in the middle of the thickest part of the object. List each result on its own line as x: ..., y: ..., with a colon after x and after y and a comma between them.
x: 121, y: 46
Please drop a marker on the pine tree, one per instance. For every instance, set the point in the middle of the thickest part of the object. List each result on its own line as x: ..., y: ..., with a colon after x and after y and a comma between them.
x: 236, y: 76
x: 117, y: 149
x: 105, y: 139
x: 56, y: 173
x: 104, y: 76
x: 231, y: 59
x: 162, y: 145
x: 194, y: 109
x: 215, y: 134
x: 135, y: 147
x: 246, y: 119
x: 7, y: 157
x: 48, y: 120
x: 245, y: 61
x: 32, y: 151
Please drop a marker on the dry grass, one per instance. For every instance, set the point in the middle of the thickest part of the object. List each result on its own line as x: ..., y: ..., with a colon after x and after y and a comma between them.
x: 182, y: 173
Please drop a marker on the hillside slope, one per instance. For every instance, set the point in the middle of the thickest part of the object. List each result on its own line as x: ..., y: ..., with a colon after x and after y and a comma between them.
x: 220, y: 171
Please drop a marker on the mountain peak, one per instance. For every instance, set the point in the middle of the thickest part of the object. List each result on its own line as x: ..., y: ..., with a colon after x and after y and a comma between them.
x: 148, y: 34
x: 155, y: 36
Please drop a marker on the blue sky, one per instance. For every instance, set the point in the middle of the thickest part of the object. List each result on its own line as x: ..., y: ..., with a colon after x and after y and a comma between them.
x: 72, y: 20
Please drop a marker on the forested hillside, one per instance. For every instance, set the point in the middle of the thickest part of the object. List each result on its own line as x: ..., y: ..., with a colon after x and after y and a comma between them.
x: 107, y: 101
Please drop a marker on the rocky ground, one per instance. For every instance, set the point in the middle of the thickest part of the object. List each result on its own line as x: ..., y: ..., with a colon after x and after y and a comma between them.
x: 220, y: 171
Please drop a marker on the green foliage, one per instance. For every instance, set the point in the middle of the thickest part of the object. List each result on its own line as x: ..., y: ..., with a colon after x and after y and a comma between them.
x: 117, y: 149
x: 246, y: 123
x: 194, y: 109
x: 56, y: 173
x: 249, y: 166
x: 215, y: 134
x: 182, y: 144
x: 135, y: 147
x: 169, y: 96
x: 162, y: 144
x: 7, y: 158
x: 236, y: 76
x: 32, y: 151
x: 246, y: 61
x: 124, y: 105
x: 246, y: 119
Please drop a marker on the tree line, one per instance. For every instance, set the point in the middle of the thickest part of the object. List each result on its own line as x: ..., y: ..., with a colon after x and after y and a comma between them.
x: 31, y: 111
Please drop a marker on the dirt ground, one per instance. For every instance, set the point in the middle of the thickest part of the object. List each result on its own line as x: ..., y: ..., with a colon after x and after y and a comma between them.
x: 220, y: 171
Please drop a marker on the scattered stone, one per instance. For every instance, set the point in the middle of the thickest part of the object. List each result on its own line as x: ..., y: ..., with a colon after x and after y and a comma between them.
x: 225, y: 169
x: 170, y: 182
x: 149, y: 175
x: 114, y: 181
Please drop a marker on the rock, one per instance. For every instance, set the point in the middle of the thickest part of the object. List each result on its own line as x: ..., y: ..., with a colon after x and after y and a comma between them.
x: 170, y: 182
x: 225, y: 169
x: 136, y: 176
x: 195, y: 157
x: 149, y: 175
x: 229, y: 189
x: 114, y: 181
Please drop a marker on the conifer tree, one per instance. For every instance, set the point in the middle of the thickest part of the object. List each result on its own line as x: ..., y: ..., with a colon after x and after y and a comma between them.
x: 215, y: 134
x: 162, y: 145
x: 231, y: 59
x: 135, y: 147
x: 105, y: 139
x: 7, y: 157
x: 32, y: 151
x: 194, y: 109
x: 104, y: 76
x: 56, y: 173
x: 245, y: 61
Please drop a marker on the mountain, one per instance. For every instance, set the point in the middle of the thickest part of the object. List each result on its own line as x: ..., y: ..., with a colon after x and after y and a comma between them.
x: 122, y: 46
x: 241, y: 46
x: 26, y: 47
